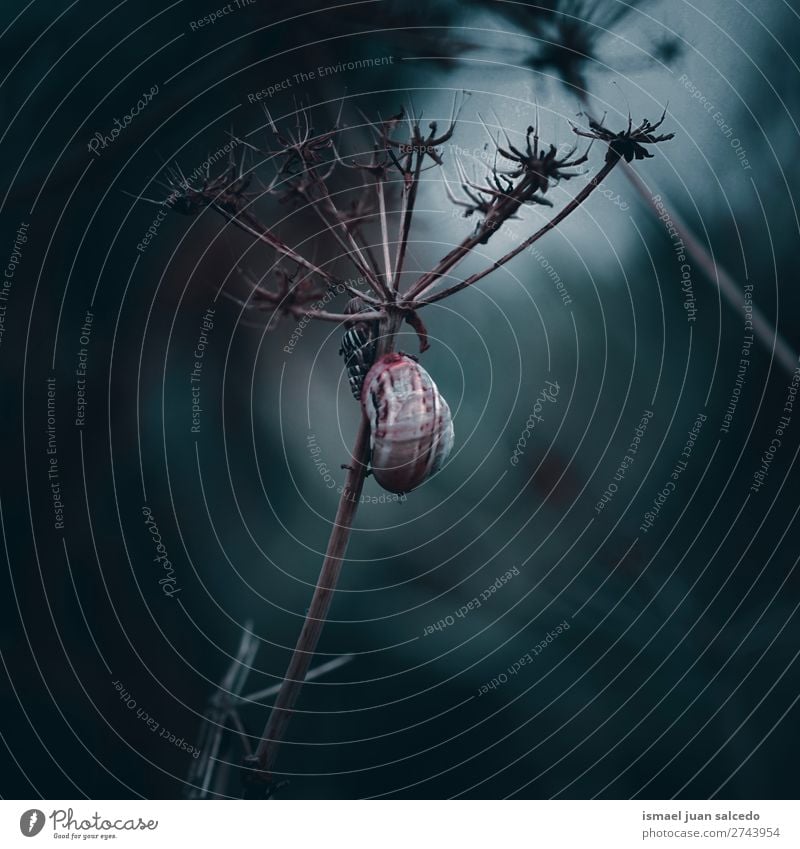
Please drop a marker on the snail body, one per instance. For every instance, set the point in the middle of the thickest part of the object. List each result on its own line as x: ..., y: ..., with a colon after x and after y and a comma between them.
x: 411, y: 425
x: 358, y: 345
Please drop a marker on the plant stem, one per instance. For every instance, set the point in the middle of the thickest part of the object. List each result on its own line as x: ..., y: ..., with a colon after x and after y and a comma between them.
x: 283, y: 708
x: 409, y: 200
x: 767, y: 334
x: 387, y: 260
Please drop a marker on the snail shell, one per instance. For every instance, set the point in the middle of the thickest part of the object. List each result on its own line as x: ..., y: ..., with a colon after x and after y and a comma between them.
x: 411, y: 426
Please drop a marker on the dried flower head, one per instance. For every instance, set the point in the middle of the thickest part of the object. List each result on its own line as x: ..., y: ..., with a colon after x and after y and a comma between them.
x: 505, y: 192
x: 629, y: 143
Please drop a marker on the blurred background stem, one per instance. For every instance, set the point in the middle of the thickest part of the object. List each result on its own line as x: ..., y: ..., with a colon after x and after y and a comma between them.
x: 768, y: 335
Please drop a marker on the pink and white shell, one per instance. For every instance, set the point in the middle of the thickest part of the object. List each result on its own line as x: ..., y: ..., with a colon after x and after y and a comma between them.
x: 412, y: 429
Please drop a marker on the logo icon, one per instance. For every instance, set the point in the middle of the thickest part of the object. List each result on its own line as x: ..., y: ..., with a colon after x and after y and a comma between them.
x: 31, y: 822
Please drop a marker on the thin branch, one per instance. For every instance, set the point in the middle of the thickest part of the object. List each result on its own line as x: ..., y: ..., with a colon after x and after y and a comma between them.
x: 248, y: 222
x: 323, y: 315
x: 409, y: 200
x: 366, y: 247
x: 767, y: 334
x: 316, y: 672
x: 446, y: 264
x: 238, y: 725
x: 266, y: 304
x: 391, y: 284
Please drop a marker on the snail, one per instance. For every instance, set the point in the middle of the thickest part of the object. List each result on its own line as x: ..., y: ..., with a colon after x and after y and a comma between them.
x: 410, y: 422
x: 411, y: 426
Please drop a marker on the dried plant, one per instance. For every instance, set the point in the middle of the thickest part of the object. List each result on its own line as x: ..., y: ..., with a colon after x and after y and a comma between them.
x: 305, y: 162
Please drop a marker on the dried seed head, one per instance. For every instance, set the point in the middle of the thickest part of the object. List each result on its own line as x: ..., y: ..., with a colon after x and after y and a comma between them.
x: 629, y: 143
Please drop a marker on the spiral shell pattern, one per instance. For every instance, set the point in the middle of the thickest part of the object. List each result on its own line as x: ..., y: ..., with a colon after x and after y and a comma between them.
x: 411, y: 425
